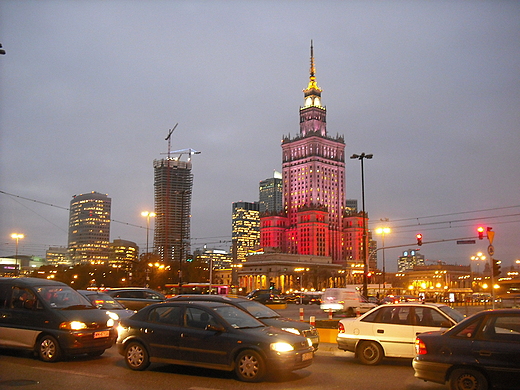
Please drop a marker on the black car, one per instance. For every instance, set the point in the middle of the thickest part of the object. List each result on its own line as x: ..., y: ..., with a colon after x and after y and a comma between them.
x: 266, y: 296
x: 103, y: 301
x: 212, y: 335
x: 481, y: 352
x: 135, y: 298
x: 263, y: 313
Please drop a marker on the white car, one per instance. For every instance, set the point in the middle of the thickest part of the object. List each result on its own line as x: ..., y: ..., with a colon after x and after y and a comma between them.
x: 390, y: 330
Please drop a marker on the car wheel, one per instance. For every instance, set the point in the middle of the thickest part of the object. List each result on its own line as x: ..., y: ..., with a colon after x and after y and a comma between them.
x: 350, y: 312
x: 48, y: 349
x: 370, y: 353
x: 467, y: 379
x: 136, y: 356
x: 249, y: 366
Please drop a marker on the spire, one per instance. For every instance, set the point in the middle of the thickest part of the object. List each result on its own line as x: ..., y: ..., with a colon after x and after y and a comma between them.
x: 312, y: 79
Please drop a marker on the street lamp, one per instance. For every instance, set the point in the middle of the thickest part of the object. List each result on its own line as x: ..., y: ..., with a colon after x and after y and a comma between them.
x: 383, y: 231
x: 17, y: 237
x: 147, y: 214
x: 362, y: 157
x: 478, y: 257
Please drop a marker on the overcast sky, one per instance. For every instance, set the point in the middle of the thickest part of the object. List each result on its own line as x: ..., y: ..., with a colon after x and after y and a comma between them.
x: 90, y: 89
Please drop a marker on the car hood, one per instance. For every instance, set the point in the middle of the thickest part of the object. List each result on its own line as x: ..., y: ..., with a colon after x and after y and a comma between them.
x: 280, y: 322
x: 270, y: 334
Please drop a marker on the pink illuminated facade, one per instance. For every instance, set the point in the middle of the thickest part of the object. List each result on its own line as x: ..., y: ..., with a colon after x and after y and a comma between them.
x: 314, y: 220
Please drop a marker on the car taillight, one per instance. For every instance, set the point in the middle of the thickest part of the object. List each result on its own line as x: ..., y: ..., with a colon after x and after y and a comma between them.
x: 341, y: 328
x: 420, y: 347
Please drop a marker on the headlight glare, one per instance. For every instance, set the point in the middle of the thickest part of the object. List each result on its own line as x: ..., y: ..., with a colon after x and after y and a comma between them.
x: 281, y: 347
x: 73, y: 325
x: 292, y: 330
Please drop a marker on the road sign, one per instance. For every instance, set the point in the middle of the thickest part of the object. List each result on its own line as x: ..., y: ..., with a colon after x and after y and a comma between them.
x: 491, y: 250
x: 490, y: 235
x: 466, y: 242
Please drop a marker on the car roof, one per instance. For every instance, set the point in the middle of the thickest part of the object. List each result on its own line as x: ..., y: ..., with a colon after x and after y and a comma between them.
x: 430, y: 304
x: 208, y: 304
x: 33, y: 281
x: 207, y: 297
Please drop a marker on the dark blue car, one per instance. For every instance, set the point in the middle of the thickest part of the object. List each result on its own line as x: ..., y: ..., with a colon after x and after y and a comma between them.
x: 479, y: 353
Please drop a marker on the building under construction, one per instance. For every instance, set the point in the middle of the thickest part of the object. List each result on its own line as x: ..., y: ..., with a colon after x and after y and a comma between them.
x: 172, y: 191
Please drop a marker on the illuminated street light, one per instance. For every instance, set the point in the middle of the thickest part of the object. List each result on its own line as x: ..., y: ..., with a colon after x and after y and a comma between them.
x: 478, y: 257
x: 147, y: 215
x: 383, y: 231
x: 362, y: 157
x: 17, y: 237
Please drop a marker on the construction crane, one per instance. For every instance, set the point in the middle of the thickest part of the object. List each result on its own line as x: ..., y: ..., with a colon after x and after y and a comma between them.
x: 180, y: 152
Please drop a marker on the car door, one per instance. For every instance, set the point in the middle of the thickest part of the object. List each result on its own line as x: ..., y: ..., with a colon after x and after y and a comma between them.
x: 394, y: 330
x: 497, y: 348
x: 164, y: 330
x: 198, y: 344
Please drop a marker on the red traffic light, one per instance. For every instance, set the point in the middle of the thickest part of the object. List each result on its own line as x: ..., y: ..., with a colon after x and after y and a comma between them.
x: 419, y: 239
x: 480, y: 231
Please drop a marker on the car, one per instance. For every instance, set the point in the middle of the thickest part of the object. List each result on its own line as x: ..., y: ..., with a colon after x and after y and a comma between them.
x: 135, y: 298
x: 480, y: 352
x: 212, y: 335
x: 105, y: 302
x: 51, y: 319
x: 261, y: 312
x: 390, y: 330
x: 348, y: 300
x: 266, y: 296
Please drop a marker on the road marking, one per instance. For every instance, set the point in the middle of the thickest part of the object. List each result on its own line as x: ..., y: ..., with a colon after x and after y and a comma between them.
x: 72, y: 372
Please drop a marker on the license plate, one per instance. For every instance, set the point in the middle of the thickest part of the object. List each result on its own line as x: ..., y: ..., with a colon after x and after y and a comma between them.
x: 307, y: 356
x: 104, y: 333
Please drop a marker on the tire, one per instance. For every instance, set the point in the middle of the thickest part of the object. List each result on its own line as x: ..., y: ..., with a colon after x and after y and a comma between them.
x: 370, y: 353
x: 136, y: 356
x: 350, y: 312
x: 48, y: 349
x: 467, y: 379
x: 249, y: 366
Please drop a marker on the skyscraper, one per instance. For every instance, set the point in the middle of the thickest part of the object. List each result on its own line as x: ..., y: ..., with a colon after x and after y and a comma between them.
x: 173, y: 184
x: 245, y: 227
x: 89, y: 228
x: 313, y: 171
x: 270, y: 191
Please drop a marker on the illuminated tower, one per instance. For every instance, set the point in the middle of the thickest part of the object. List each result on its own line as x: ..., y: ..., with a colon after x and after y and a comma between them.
x: 270, y: 191
x: 313, y: 171
x: 246, y: 227
x: 89, y: 228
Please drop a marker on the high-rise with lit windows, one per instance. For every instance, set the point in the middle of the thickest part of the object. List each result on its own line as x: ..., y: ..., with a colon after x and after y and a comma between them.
x: 313, y: 175
x: 271, y: 194
x: 89, y: 228
x: 245, y: 227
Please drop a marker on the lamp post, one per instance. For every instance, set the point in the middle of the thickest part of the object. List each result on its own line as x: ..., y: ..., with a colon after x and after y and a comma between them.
x: 361, y: 157
x: 17, y: 237
x: 147, y: 214
x: 383, y: 231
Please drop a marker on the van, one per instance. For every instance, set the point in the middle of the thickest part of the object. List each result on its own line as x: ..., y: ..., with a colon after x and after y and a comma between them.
x: 51, y: 319
x: 347, y: 300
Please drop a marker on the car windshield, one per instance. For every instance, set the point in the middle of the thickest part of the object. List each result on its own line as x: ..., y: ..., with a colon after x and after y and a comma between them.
x: 452, y: 313
x: 63, y: 297
x: 237, y: 318
x: 105, y: 301
x: 258, y: 310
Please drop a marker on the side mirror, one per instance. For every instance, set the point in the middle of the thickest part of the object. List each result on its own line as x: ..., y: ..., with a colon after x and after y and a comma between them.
x: 215, y: 328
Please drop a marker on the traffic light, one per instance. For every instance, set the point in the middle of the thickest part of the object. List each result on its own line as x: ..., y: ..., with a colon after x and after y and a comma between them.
x: 496, y: 267
x: 480, y: 231
x: 271, y: 286
x: 419, y: 239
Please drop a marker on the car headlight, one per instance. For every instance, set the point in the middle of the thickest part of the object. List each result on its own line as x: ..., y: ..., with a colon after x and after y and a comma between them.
x: 113, y: 315
x: 73, y: 325
x: 111, y: 323
x: 281, y: 347
x: 292, y: 330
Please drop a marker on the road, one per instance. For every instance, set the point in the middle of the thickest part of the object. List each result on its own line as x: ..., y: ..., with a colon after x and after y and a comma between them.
x: 333, y: 370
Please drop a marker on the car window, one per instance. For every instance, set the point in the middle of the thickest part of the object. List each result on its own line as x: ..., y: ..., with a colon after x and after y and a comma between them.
x: 504, y: 328
x: 152, y: 295
x: 237, y: 318
x: 383, y: 315
x: 171, y: 315
x: 258, y: 310
x: 198, y: 318
x: 470, y: 330
x: 63, y: 297
x: 427, y: 316
x: 402, y: 315
x: 22, y: 298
